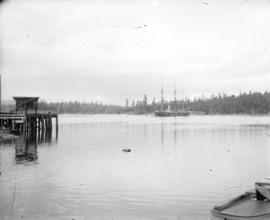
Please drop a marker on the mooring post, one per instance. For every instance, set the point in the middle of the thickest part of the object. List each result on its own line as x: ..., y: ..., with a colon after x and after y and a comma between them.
x: 50, y: 121
x: 42, y: 122
x: 32, y: 126
x: 27, y: 123
x: 56, y: 121
x: 35, y: 126
x: 38, y: 123
x: 46, y: 122
x: 39, y: 133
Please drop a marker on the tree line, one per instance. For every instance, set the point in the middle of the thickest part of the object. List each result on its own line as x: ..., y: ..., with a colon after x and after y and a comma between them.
x: 243, y: 103
x: 79, y: 107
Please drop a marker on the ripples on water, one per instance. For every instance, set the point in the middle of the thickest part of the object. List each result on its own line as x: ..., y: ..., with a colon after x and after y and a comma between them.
x: 178, y: 168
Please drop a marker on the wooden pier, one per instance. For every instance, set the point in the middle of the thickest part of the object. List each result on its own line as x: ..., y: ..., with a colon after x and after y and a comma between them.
x: 28, y: 122
x: 26, y: 117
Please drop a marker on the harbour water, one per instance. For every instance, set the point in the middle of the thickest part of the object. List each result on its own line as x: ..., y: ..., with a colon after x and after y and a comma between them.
x: 178, y: 168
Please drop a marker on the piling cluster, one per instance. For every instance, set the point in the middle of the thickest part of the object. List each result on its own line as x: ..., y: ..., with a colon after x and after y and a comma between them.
x: 24, y: 123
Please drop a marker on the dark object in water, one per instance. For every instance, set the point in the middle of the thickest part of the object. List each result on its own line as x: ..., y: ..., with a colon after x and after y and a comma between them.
x: 250, y: 205
x: 172, y: 114
x: 126, y: 149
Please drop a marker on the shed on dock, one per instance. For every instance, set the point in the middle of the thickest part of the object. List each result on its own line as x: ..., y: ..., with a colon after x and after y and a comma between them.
x: 24, y: 103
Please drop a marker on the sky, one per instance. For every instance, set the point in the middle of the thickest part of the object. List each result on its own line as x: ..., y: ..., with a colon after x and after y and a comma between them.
x: 108, y: 51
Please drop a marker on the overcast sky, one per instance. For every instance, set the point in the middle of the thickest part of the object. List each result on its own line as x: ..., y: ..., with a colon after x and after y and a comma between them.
x: 113, y: 50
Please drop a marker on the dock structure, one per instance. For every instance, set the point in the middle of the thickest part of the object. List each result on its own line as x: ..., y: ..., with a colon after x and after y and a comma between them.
x: 26, y: 117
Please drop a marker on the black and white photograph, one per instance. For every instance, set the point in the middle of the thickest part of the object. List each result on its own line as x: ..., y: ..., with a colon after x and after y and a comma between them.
x: 134, y: 109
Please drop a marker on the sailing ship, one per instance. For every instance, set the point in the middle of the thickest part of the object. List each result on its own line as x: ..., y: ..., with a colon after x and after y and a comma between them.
x: 168, y: 112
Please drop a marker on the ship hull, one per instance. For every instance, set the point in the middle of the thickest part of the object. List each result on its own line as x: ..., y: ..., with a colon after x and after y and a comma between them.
x: 171, y: 114
x: 163, y: 114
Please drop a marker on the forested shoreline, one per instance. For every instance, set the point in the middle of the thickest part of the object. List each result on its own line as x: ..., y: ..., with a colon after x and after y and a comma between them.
x: 243, y: 103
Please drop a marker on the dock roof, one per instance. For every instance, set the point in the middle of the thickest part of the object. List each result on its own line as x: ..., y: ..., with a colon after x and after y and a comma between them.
x: 26, y: 98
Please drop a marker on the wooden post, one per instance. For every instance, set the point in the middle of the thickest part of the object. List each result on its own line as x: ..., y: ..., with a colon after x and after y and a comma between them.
x: 49, y: 122
x: 31, y: 126
x: 42, y: 122
x: 46, y: 123
x: 35, y: 126
x: 12, y: 125
x: 56, y: 121
x: 9, y: 122
x: 38, y: 121
x: 22, y: 126
x: 56, y: 124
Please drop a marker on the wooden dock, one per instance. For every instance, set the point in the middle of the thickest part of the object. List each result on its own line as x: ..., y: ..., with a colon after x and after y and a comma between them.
x: 21, y: 123
x: 26, y: 118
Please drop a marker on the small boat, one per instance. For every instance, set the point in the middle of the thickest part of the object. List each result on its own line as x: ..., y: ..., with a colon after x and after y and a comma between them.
x: 254, y: 204
x: 126, y: 149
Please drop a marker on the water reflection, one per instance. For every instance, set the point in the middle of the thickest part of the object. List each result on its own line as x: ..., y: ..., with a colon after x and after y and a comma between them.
x: 162, y: 137
x: 145, y: 133
x: 166, y: 174
x: 26, y: 145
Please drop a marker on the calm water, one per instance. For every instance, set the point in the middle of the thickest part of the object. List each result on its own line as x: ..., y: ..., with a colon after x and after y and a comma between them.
x: 179, y: 168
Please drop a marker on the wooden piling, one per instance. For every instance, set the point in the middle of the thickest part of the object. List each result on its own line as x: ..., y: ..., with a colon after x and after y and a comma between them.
x: 56, y: 122
x: 42, y: 122
x: 39, y: 123
x: 49, y: 122
x: 29, y: 123
x: 46, y: 123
